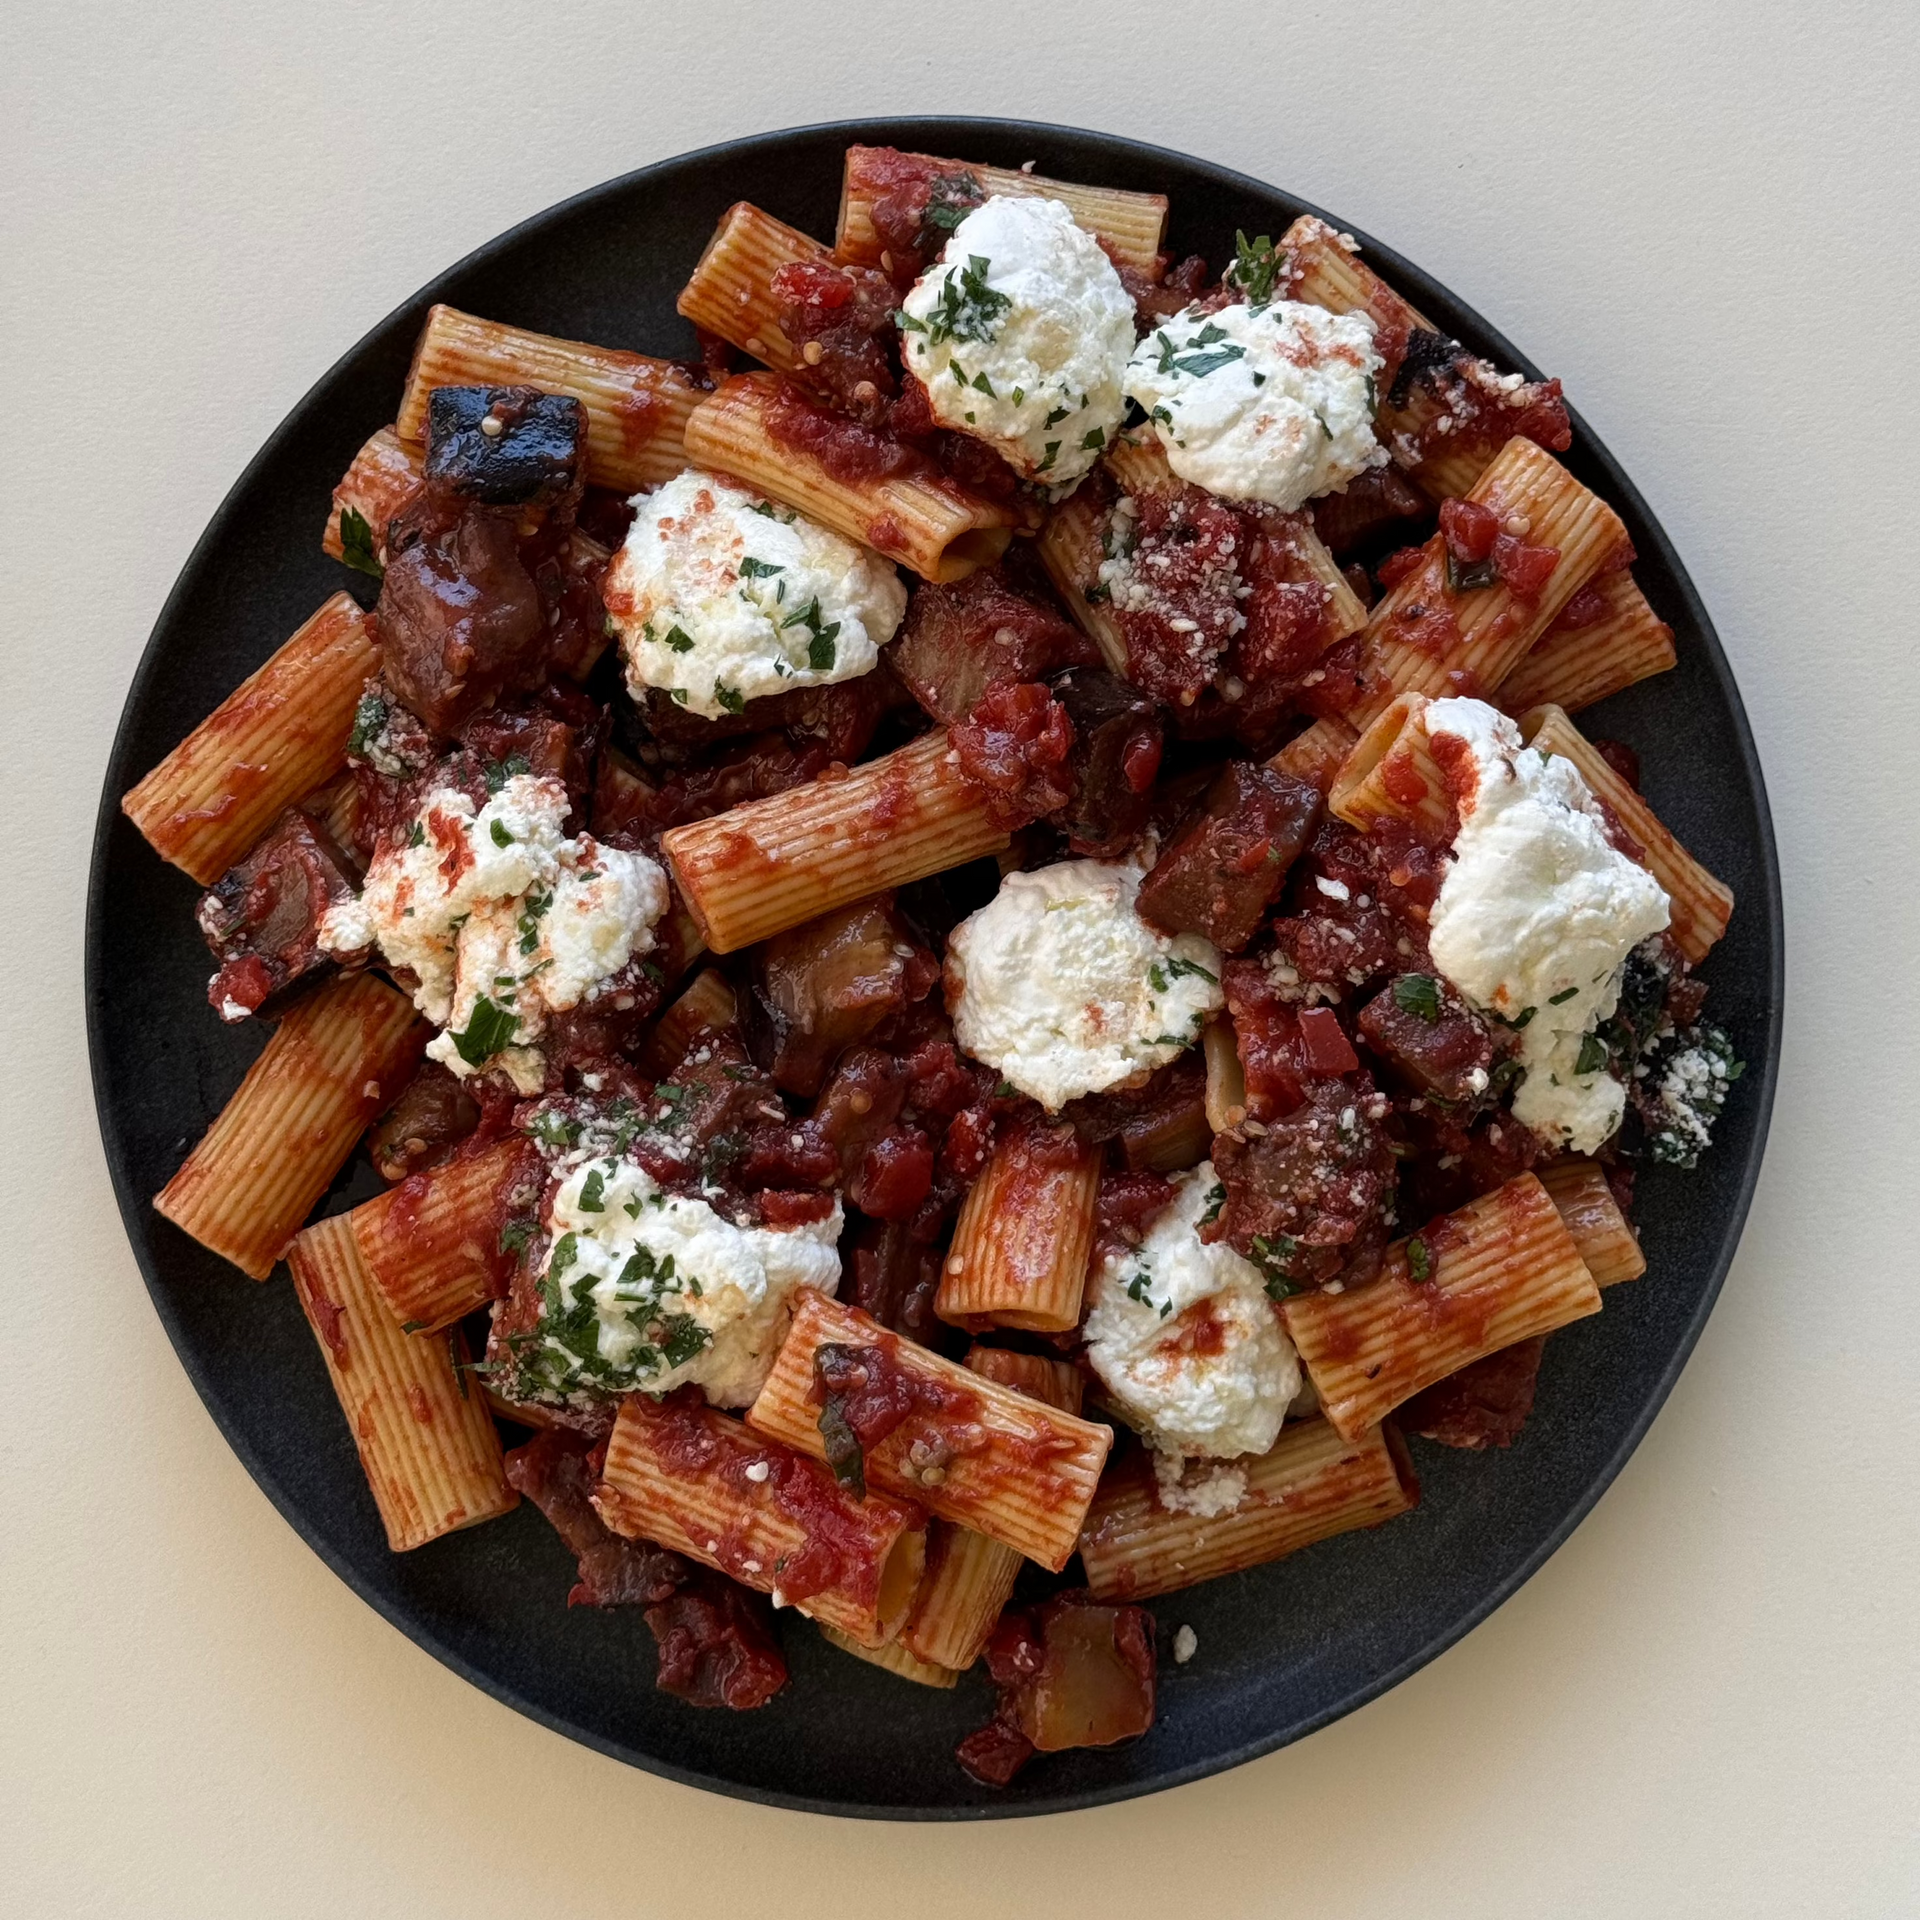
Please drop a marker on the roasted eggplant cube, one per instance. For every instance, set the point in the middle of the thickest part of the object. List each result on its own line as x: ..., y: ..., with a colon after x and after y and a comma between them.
x: 262, y: 919
x: 1117, y: 738
x: 823, y: 987
x: 532, y: 454
x: 1225, y: 868
x: 1429, y: 1038
x: 961, y: 639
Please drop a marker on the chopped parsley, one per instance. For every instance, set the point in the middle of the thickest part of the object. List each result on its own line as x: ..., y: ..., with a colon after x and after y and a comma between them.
x: 488, y: 1029
x: 950, y: 199
x: 1419, y: 995
x: 730, y: 697
x: 529, y: 921
x: 1275, y: 1257
x: 821, y: 634
x: 418, y: 837
x: 1419, y: 1260
x: 1206, y: 352
x: 1256, y: 269
x: 752, y: 569
x: 499, y: 772
x: 369, y: 722
x: 1562, y: 997
x: 1216, y: 1199
x: 553, y: 1129
x: 593, y: 1192
x: 501, y: 837
x: 516, y: 1235
x: 967, y: 309
x: 357, y: 548
x: 1163, y: 973
x: 1593, y: 1055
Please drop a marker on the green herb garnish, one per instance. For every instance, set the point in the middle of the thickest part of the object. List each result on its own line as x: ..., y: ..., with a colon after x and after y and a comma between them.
x: 356, y: 545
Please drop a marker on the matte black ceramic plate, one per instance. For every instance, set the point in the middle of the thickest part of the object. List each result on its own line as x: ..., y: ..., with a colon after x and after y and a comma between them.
x: 1282, y: 1650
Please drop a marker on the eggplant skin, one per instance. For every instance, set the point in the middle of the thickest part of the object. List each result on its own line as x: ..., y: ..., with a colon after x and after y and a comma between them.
x: 536, y: 458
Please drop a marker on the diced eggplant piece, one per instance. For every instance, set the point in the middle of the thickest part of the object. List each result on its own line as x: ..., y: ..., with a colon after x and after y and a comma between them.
x: 433, y: 1114
x: 1308, y: 1191
x: 1426, y: 1033
x: 1160, y: 1127
x: 1118, y: 736
x: 262, y: 918
x: 894, y: 1277
x: 506, y: 446
x: 1484, y: 1405
x: 459, y: 619
x: 1071, y: 1673
x: 829, y: 984
x: 959, y: 640
x: 1223, y: 872
x: 555, y: 1472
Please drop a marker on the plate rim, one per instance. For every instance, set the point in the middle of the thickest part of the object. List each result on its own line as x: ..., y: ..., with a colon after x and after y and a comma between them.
x: 135, y: 1208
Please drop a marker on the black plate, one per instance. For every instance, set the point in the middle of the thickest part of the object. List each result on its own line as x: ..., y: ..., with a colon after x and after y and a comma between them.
x: 1282, y: 1650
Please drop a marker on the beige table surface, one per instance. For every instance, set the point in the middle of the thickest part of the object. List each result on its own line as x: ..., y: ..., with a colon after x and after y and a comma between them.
x: 1704, y: 219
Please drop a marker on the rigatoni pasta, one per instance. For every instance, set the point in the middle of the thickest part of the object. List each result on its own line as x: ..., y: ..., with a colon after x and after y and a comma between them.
x: 1621, y: 642
x: 1130, y: 223
x: 972, y: 1451
x: 695, y: 1481
x: 1702, y: 905
x: 637, y: 406
x: 1024, y: 1236
x: 1579, y: 1191
x: 970, y: 1578
x: 925, y: 521
x: 440, y: 1245
x: 424, y: 1435
x: 759, y: 869
x: 1312, y: 1484
x: 1429, y: 636
x: 334, y: 1061
x: 273, y: 740
x: 730, y: 291
x: 1499, y: 1270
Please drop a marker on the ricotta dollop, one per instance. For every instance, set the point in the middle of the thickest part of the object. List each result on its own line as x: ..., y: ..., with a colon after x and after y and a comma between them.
x: 1536, y: 917
x: 1271, y: 403
x: 650, y: 1290
x: 721, y: 597
x: 1020, y: 335
x: 1060, y: 985
x: 1189, y: 1347
x: 501, y: 919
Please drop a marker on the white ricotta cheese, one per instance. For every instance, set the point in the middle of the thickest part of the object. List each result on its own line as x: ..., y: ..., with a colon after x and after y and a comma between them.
x: 647, y: 1289
x: 496, y: 903
x: 1270, y: 403
x: 721, y: 597
x: 1020, y: 335
x: 1536, y: 917
x: 1189, y: 1345
x: 1060, y: 985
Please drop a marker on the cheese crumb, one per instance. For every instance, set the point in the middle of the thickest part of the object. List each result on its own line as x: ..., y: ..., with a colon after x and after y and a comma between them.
x: 1186, y: 1643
